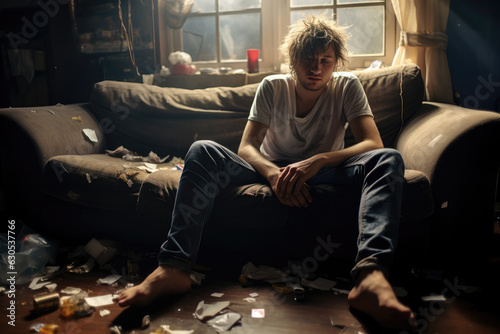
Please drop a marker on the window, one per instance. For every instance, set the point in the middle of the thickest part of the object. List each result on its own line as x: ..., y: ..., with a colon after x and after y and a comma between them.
x: 218, y: 32
x: 222, y: 30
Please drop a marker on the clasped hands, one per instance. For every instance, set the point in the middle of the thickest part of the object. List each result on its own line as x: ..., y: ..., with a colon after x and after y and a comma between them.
x: 290, y: 184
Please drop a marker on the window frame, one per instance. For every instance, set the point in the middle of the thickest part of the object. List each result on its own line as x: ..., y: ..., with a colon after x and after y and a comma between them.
x: 276, y: 14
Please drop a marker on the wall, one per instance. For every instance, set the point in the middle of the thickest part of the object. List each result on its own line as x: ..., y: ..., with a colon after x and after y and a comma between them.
x: 474, y: 52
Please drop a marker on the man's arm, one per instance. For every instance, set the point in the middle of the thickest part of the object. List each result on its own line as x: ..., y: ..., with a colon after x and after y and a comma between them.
x: 252, y: 138
x: 295, y: 175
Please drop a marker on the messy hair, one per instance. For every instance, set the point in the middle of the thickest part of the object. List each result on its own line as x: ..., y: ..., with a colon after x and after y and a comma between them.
x: 310, y: 36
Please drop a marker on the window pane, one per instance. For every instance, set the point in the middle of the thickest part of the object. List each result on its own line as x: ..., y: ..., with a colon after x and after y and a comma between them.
x: 239, y: 33
x: 296, y: 15
x: 225, y: 5
x: 366, y: 27
x: 199, y: 38
x: 203, y: 6
x: 298, y: 3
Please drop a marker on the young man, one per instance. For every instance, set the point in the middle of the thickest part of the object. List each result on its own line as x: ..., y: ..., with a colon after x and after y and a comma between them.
x: 294, y: 139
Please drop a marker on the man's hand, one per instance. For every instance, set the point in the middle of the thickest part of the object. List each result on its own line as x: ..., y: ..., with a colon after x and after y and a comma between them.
x: 301, y: 200
x: 293, y: 178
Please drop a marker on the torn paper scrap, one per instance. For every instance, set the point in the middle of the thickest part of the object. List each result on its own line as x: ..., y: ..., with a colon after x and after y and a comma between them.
x: 165, y: 329
x: 104, y: 313
x: 209, y: 310
x: 258, y: 313
x: 196, y: 277
x: 51, y: 286
x: 90, y: 135
x: 254, y: 294
x: 434, y: 298
x: 319, y: 284
x: 36, y: 285
x: 225, y: 321
x: 343, y: 291
x: 71, y: 290
x: 264, y: 273
x: 250, y: 299
x: 108, y: 280
x: 217, y: 294
x: 100, y: 300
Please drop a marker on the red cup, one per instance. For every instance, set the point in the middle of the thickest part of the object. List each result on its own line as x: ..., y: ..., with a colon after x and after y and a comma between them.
x: 253, y: 60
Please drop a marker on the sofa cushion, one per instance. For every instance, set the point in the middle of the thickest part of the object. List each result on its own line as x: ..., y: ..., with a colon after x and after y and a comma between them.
x: 95, y: 180
x: 395, y: 94
x: 156, y: 199
x: 255, y: 205
x: 168, y: 120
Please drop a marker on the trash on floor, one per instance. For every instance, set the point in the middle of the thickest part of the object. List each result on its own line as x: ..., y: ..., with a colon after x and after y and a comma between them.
x: 71, y: 290
x: 49, y: 329
x: 45, y: 302
x: 76, y: 305
x: 224, y: 321
x: 165, y: 329
x: 258, y: 313
x: 104, y: 313
x: 217, y: 294
x: 146, y: 321
x: 108, y: 280
x: 262, y: 273
x: 218, y: 317
x: 209, y: 310
x: 100, y: 300
x: 196, y: 277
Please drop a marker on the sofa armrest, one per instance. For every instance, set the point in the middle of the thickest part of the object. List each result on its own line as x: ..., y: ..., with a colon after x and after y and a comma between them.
x: 30, y: 137
x: 459, y: 151
x: 51, y: 130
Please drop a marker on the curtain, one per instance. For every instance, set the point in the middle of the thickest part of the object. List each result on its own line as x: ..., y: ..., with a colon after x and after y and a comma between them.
x: 423, y: 41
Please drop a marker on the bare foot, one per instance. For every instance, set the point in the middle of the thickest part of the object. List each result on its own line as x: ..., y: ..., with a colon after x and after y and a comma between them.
x: 162, y: 281
x: 374, y: 296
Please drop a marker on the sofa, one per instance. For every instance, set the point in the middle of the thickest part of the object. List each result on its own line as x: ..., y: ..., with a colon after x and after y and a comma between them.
x: 66, y: 186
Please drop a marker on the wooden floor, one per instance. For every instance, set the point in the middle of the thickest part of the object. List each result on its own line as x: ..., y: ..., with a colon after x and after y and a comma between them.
x: 320, y: 312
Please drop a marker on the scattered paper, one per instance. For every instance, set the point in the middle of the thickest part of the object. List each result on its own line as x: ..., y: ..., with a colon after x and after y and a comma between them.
x: 225, y: 321
x: 258, y: 313
x: 90, y: 135
x: 264, y: 273
x: 35, y: 285
x: 167, y: 330
x: 100, y: 300
x: 250, y: 299
x: 217, y: 294
x: 343, y: 291
x: 51, y: 286
x: 254, y: 294
x: 104, y: 313
x: 71, y: 290
x: 209, y: 310
x: 434, y: 298
x: 108, y: 280
x: 196, y: 277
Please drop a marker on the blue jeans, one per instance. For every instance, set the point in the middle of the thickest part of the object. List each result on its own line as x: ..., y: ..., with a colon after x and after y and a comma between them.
x: 210, y: 168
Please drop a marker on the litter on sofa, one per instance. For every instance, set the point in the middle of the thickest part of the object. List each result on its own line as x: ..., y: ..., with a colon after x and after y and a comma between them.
x: 148, y: 163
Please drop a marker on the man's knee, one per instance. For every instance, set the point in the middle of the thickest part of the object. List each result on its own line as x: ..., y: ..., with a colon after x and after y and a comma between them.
x: 391, y: 158
x: 200, y: 148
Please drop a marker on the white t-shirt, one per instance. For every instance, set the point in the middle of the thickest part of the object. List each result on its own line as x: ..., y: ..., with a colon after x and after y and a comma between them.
x: 292, y: 138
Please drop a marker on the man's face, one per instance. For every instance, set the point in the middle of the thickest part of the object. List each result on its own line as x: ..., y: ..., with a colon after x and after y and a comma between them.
x: 314, y: 73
